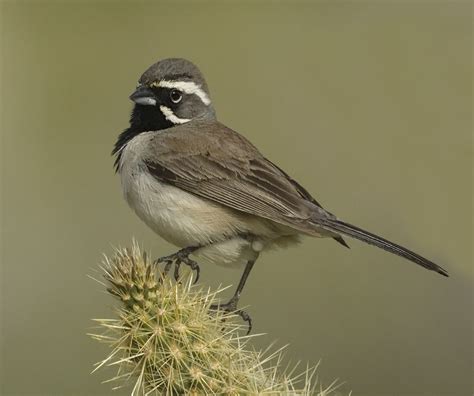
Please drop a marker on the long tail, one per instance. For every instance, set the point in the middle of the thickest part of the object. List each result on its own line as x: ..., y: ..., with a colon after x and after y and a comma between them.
x: 372, y: 239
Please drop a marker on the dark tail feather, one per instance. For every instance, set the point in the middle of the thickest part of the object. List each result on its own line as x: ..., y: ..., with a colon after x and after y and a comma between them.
x: 341, y: 240
x: 372, y: 239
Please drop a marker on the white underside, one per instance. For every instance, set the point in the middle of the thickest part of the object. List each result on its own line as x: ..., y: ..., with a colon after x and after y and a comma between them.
x: 184, y: 219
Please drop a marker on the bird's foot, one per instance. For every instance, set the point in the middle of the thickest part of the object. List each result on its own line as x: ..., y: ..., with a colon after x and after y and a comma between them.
x: 178, y: 258
x: 231, y: 308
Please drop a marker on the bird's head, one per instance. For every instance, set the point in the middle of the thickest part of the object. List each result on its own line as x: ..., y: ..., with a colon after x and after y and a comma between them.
x: 170, y: 92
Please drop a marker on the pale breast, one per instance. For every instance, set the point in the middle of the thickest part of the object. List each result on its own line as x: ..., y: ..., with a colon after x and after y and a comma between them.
x: 177, y: 216
x: 185, y: 219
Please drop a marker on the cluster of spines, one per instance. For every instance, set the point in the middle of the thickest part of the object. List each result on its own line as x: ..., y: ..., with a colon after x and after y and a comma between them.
x: 167, y: 341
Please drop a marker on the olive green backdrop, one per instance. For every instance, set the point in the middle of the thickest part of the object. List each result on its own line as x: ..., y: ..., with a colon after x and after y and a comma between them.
x: 368, y: 105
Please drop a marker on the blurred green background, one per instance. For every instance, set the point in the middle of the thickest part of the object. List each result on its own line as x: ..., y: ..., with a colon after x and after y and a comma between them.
x: 368, y: 105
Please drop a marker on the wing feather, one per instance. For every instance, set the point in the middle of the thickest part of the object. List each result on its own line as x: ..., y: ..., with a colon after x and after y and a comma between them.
x: 235, y: 175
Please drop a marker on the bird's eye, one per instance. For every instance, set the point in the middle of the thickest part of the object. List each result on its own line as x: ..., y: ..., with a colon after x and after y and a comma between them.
x: 176, y: 96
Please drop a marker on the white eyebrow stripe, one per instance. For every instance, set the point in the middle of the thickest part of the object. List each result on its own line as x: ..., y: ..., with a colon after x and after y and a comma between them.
x: 170, y: 116
x: 188, y: 87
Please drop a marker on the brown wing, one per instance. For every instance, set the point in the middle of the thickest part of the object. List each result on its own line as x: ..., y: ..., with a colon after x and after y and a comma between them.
x: 214, y: 162
x: 306, y: 195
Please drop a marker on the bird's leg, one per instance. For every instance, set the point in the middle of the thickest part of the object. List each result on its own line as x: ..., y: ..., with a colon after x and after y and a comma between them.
x: 181, y: 256
x: 231, y: 305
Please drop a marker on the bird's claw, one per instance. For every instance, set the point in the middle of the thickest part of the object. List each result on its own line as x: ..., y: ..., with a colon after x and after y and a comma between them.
x: 177, y: 259
x: 231, y: 308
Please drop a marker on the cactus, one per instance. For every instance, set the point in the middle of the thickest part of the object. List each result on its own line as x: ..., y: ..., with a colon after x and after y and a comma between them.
x: 166, y: 340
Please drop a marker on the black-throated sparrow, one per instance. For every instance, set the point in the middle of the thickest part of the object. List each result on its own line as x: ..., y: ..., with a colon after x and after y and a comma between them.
x: 208, y: 190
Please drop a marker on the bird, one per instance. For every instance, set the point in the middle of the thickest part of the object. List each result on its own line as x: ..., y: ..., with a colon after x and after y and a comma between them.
x: 208, y: 190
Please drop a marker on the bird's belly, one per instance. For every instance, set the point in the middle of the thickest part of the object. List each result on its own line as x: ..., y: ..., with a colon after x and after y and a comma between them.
x: 181, y: 218
x: 184, y: 219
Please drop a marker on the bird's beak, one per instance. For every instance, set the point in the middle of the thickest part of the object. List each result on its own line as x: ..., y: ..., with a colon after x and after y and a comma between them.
x: 143, y: 96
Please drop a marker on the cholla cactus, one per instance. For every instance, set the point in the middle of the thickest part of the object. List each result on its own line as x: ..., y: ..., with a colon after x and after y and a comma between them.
x: 167, y: 341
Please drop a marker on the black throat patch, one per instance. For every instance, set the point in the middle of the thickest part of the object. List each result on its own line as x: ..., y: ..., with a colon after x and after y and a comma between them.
x: 143, y: 119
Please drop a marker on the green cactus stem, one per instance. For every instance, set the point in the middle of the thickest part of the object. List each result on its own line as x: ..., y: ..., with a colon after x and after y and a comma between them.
x: 166, y: 341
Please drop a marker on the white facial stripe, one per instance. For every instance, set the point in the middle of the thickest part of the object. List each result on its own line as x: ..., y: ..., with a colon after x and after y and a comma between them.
x: 170, y: 116
x: 188, y: 87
